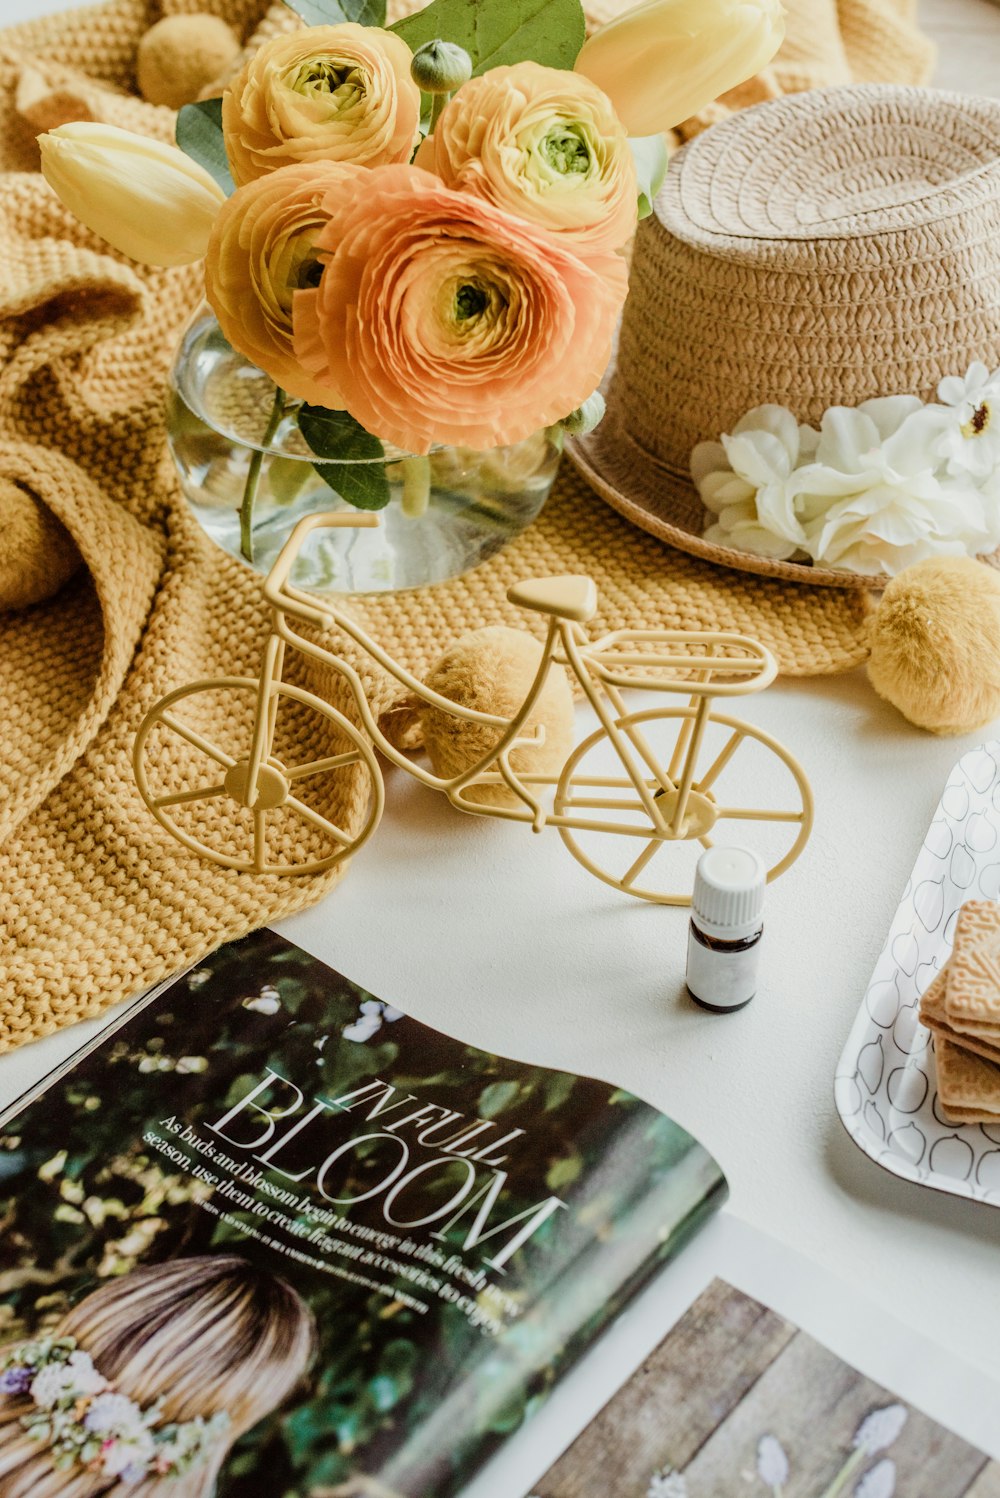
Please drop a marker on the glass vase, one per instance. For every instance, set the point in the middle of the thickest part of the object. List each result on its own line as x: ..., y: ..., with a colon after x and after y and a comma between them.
x: 446, y: 513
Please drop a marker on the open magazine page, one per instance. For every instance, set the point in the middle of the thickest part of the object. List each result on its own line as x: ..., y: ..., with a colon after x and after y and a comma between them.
x: 746, y: 1369
x: 319, y: 1246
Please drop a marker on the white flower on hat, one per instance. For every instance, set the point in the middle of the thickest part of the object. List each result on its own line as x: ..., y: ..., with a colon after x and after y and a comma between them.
x: 746, y: 481
x: 886, y: 506
x: 879, y: 486
x: 958, y: 390
x: 969, y: 440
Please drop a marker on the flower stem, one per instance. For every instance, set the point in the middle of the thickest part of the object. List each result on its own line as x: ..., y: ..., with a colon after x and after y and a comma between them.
x: 253, y: 473
x: 438, y: 101
x: 416, y: 487
x: 856, y: 1460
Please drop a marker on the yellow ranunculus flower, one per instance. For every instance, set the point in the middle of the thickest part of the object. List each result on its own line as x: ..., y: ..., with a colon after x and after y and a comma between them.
x: 663, y: 61
x: 263, y: 249
x: 147, y: 199
x: 543, y: 144
x: 325, y: 93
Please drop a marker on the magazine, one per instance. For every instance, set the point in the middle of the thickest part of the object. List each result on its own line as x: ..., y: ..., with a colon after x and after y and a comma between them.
x: 738, y: 1399
x: 270, y: 1236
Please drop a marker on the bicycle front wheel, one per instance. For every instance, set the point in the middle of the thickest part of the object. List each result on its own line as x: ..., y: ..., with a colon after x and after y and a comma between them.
x: 319, y: 792
x: 745, y: 788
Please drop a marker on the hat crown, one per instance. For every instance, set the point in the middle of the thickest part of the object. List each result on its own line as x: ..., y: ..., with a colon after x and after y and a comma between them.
x: 840, y: 164
x: 817, y: 250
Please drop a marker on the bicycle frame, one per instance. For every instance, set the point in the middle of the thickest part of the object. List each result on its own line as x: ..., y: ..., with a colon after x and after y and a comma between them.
x: 658, y: 802
x: 283, y: 599
x: 592, y: 665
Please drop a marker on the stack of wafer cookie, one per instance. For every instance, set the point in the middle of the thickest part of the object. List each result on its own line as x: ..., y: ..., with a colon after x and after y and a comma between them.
x: 962, y: 1008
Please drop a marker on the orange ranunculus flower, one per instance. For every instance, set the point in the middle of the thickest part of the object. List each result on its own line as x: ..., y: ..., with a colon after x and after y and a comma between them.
x: 545, y: 144
x: 325, y: 93
x: 262, y: 249
x: 439, y: 318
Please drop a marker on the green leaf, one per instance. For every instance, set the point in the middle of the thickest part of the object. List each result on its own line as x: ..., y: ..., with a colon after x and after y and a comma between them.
x: 550, y: 32
x: 496, y: 1097
x: 199, y: 135
x: 333, y: 12
x: 363, y: 485
x: 557, y: 1089
x: 357, y: 472
x: 564, y: 1172
x: 336, y: 435
x: 649, y: 152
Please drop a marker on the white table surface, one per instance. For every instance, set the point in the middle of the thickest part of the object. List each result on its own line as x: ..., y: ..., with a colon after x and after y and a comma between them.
x: 497, y: 936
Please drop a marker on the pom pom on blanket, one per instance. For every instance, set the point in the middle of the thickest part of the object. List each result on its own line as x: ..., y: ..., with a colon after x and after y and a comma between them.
x: 491, y: 670
x: 935, y: 644
x: 182, y: 56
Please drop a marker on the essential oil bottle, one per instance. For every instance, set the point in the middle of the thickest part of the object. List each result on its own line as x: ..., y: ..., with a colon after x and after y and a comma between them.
x: 726, y: 928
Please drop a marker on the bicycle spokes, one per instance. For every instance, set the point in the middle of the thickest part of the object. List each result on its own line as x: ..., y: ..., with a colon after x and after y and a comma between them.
x: 253, y: 818
x: 604, y: 821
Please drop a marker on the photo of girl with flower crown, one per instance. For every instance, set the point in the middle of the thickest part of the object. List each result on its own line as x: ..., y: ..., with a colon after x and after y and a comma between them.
x: 274, y: 1237
x: 152, y: 1376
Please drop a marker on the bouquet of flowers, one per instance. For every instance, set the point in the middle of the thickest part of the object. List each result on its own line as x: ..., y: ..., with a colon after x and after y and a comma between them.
x: 418, y: 231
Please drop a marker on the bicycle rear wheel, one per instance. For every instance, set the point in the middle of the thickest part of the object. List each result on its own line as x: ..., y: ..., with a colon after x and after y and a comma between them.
x: 619, y: 842
x: 312, y: 809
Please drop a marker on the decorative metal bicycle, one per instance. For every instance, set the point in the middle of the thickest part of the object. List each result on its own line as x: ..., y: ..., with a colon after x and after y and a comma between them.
x: 643, y: 781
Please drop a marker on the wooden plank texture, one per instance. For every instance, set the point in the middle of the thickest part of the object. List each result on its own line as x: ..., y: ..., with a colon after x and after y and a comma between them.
x: 814, y: 1404
x: 675, y: 1400
x: 732, y: 1372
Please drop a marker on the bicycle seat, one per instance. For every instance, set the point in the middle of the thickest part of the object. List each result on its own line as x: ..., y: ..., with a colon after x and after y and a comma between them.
x: 569, y: 597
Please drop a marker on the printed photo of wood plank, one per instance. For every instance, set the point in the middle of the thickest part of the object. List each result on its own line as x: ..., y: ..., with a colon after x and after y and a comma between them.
x: 736, y: 1402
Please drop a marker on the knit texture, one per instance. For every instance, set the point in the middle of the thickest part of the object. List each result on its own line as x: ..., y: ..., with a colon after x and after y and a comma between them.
x: 96, y: 901
x: 830, y: 43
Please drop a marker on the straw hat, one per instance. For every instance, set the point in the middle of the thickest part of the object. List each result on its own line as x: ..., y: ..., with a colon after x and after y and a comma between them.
x: 818, y: 250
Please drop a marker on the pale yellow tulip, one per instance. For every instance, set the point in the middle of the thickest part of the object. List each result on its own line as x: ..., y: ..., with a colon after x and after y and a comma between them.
x: 147, y: 199
x: 663, y: 61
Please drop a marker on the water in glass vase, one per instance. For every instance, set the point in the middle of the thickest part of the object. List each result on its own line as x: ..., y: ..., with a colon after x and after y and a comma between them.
x: 445, y: 514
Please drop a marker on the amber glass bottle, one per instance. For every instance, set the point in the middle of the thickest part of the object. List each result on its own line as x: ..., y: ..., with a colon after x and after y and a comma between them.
x: 726, y: 928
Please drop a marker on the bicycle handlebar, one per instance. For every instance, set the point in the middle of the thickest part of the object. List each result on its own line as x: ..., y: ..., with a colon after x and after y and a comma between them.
x: 285, y: 560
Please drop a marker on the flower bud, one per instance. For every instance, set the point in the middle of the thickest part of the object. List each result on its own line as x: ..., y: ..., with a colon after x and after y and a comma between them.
x: 147, y: 199
x: 663, y: 61
x: 440, y: 67
x: 586, y: 417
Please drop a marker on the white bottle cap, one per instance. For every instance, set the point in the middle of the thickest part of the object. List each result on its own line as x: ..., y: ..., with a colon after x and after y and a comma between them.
x: 728, y: 898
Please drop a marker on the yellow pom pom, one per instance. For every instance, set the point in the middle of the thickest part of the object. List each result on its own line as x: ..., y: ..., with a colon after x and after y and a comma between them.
x: 181, y: 56
x: 37, y: 552
x: 935, y: 644
x: 491, y: 670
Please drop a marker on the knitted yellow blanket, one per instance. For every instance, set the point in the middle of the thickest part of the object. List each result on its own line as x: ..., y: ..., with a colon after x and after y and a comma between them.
x: 95, y: 901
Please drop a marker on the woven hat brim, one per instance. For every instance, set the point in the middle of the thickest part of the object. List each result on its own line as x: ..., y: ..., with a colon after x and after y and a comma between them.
x: 668, y: 506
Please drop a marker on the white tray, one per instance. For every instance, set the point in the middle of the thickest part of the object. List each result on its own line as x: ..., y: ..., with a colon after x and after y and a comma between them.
x: 885, y: 1088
